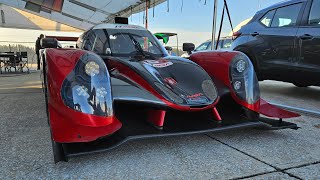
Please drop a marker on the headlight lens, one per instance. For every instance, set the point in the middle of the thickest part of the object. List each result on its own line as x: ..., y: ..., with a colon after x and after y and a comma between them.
x: 209, y: 89
x: 241, y: 66
x: 237, y: 85
x: 91, y: 68
x: 87, y: 88
x: 244, y: 80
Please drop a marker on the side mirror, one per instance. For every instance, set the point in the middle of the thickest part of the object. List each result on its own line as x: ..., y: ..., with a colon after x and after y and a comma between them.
x: 188, y: 47
x: 49, y: 43
x: 168, y: 48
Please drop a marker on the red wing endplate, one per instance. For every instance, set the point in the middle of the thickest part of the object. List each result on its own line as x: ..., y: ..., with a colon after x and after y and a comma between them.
x: 64, y: 38
x: 273, y: 111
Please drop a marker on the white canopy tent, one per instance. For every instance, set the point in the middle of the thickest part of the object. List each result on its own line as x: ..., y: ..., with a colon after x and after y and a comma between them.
x: 66, y: 15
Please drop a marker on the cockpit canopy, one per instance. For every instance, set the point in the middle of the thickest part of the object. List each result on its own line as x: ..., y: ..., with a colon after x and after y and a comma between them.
x: 121, y: 40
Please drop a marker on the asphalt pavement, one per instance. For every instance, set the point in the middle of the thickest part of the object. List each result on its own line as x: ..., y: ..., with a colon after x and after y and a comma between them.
x: 25, y: 147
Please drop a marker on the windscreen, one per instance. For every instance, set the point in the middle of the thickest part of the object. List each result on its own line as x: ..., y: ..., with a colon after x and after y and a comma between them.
x: 123, y: 42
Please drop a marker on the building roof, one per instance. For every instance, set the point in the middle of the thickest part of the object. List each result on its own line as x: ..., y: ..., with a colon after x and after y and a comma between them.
x: 79, y: 14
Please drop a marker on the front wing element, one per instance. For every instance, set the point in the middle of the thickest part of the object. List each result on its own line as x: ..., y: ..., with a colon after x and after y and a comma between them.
x: 135, y: 126
x: 273, y: 111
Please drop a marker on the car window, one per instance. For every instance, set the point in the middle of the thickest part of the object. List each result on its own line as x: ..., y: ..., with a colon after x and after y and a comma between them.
x: 286, y: 16
x: 202, y: 47
x: 227, y: 43
x: 314, y: 17
x: 267, y: 18
x: 122, y: 42
x: 209, y: 46
x: 89, y: 40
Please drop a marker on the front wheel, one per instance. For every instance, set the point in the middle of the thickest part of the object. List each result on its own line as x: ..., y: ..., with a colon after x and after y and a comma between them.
x: 57, y: 148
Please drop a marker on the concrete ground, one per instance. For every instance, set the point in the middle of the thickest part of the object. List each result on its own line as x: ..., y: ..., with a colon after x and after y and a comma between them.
x: 25, y: 147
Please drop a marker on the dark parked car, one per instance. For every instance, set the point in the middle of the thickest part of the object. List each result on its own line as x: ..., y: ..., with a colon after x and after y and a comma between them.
x: 283, y: 41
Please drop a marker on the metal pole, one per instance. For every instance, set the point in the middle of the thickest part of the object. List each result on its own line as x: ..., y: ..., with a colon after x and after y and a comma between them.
x: 146, y: 22
x: 147, y: 5
x: 178, y: 46
x: 214, y: 23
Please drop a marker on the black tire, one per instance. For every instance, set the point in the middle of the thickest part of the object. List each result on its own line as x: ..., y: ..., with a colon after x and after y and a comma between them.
x: 57, y: 148
x: 46, y: 97
x: 47, y: 106
x: 58, y: 152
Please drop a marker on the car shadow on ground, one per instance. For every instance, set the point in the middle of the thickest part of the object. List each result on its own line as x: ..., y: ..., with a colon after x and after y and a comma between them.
x: 287, y: 89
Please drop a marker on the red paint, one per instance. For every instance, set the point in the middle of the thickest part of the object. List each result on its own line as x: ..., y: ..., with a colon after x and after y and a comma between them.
x: 235, y: 35
x: 195, y: 95
x: 67, y: 124
x: 64, y: 38
x: 156, y: 117
x: 273, y: 111
x: 217, y: 63
x: 170, y: 81
x: 57, y: 5
x: 66, y: 129
x: 216, y: 114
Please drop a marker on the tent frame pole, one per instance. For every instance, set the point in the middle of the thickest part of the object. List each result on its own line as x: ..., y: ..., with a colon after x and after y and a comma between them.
x: 147, y: 5
x: 214, y: 24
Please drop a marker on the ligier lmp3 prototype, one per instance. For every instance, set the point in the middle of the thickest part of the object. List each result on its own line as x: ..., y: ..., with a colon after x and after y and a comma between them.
x: 120, y: 84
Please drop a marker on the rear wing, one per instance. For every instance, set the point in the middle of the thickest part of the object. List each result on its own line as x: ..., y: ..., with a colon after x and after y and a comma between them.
x: 53, y: 41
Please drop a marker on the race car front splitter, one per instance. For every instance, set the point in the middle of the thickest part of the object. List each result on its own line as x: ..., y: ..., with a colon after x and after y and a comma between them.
x: 135, y: 126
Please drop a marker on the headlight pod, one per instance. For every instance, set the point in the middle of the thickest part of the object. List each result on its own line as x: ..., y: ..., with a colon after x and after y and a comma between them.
x: 91, y: 68
x: 244, y: 80
x: 241, y: 66
x: 87, y: 88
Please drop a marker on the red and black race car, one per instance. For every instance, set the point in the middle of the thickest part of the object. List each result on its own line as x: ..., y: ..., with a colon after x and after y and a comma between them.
x: 120, y: 84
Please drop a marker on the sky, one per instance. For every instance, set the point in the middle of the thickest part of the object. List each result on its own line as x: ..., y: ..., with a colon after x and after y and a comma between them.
x: 191, y: 19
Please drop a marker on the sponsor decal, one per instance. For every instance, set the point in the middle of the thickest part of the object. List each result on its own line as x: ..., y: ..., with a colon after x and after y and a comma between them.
x: 195, y: 95
x: 170, y: 81
x: 197, y: 99
x: 158, y: 63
